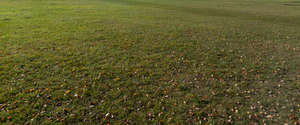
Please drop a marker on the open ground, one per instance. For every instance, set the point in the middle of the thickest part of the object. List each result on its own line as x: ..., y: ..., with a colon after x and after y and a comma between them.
x: 149, y: 61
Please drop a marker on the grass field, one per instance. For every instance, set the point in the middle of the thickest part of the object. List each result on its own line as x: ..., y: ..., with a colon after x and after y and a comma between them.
x: 150, y: 62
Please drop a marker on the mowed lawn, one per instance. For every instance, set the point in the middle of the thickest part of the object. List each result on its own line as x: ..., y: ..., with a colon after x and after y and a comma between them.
x: 150, y: 62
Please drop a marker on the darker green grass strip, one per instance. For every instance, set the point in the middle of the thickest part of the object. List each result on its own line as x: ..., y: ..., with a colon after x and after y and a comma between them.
x: 286, y: 20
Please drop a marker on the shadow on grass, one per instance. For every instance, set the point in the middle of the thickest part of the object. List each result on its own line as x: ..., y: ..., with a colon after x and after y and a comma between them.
x: 214, y: 11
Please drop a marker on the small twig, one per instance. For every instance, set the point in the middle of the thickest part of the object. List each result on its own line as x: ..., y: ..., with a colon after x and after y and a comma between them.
x: 2, y: 106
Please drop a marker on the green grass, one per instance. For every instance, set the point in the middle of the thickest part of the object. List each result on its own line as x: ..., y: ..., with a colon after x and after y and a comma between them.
x: 149, y: 61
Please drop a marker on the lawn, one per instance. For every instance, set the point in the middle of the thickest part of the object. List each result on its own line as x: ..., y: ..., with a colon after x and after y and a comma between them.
x: 150, y: 62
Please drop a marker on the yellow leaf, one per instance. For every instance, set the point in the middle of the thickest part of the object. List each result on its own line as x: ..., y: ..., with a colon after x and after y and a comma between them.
x: 117, y: 79
x: 68, y: 91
